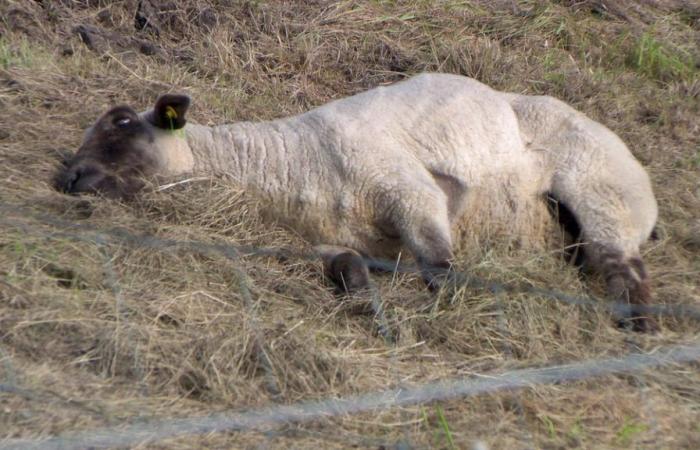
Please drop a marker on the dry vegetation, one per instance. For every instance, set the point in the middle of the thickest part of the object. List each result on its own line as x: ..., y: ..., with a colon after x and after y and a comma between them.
x: 97, y: 332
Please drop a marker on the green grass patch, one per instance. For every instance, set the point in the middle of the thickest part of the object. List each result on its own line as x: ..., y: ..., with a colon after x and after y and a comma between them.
x: 549, y: 425
x: 629, y: 432
x: 575, y: 433
x: 17, y: 54
x: 554, y: 70
x: 445, y: 427
x: 696, y: 159
x: 650, y: 57
x: 445, y: 433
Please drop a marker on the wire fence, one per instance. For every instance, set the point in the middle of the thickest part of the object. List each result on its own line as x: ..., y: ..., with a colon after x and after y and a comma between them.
x: 94, y: 234
x: 279, y: 415
x: 276, y: 419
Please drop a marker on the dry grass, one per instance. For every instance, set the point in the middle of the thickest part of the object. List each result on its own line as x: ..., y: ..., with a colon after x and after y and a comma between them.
x: 104, y: 334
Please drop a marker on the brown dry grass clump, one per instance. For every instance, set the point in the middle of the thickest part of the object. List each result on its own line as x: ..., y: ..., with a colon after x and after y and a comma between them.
x: 96, y: 331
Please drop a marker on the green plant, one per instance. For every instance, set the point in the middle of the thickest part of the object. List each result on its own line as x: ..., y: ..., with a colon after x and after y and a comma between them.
x: 19, y: 54
x: 445, y: 427
x: 551, y: 429
x: 629, y: 431
x: 651, y: 58
x: 442, y: 422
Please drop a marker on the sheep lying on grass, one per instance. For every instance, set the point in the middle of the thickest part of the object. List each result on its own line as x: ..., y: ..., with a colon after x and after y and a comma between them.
x: 396, y: 167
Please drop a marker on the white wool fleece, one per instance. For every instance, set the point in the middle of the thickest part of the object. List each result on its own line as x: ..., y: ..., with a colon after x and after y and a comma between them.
x: 396, y: 165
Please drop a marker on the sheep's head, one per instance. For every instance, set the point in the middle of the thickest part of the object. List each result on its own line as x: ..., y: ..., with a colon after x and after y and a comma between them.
x: 123, y: 147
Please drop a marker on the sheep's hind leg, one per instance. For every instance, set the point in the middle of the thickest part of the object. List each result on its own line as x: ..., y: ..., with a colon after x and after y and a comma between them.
x: 615, y: 218
x: 627, y: 283
x: 344, y: 267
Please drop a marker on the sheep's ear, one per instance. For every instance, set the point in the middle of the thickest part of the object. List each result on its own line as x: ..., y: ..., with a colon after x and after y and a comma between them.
x: 169, y: 111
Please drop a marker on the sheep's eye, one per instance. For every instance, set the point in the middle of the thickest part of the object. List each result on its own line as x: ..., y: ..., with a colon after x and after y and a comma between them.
x: 123, y: 122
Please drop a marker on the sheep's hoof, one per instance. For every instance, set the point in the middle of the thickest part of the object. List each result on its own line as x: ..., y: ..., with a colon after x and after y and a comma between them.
x: 437, y: 276
x: 639, y: 324
x: 349, y: 273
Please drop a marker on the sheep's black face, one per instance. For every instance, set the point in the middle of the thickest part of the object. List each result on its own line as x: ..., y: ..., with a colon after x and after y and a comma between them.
x: 112, y: 159
x: 120, y: 149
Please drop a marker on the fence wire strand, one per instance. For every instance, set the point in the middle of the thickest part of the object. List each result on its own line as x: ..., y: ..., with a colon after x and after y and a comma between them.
x: 283, y: 420
x: 272, y: 385
x: 619, y: 309
x: 311, y: 411
x: 509, y: 355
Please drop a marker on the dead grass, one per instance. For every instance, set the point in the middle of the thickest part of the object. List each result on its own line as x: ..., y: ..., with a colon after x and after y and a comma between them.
x: 103, y: 334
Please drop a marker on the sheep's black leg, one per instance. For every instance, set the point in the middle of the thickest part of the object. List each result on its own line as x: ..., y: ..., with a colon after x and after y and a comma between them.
x: 420, y: 219
x: 611, y: 229
x: 628, y: 283
x: 429, y: 240
x: 345, y: 268
x: 435, y: 264
x: 561, y: 212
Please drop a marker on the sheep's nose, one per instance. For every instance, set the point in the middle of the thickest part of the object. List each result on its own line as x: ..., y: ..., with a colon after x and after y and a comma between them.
x: 67, y: 180
x: 71, y: 179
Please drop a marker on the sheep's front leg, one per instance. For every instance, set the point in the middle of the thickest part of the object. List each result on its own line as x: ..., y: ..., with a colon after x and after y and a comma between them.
x: 421, y: 221
x: 344, y: 267
x: 431, y: 244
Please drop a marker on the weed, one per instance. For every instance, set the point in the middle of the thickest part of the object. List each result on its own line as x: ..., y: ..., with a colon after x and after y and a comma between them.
x: 445, y: 432
x: 575, y: 433
x: 445, y: 427
x: 629, y: 432
x: 696, y: 160
x: 16, y: 54
x: 655, y: 60
x: 549, y: 425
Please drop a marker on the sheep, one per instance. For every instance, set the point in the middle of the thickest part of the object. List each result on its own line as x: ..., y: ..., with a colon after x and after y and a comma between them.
x: 397, y: 167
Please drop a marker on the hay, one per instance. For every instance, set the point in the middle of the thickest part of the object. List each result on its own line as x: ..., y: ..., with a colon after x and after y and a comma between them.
x: 98, y: 333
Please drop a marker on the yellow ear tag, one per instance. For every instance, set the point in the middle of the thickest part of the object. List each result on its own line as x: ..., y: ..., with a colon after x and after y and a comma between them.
x: 171, y: 114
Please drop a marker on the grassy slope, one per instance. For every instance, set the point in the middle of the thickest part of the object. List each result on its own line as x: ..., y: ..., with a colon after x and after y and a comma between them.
x: 111, y: 333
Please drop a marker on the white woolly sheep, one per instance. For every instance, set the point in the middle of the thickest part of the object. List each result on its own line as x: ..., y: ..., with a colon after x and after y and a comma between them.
x: 395, y: 167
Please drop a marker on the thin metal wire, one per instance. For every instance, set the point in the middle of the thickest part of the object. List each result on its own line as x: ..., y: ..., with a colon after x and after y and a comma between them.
x: 271, y: 382
x: 391, y: 341
x: 618, y: 309
x: 315, y: 409
x: 310, y: 411
x: 9, y: 368
x: 509, y: 355
x: 356, y: 439
x: 45, y: 396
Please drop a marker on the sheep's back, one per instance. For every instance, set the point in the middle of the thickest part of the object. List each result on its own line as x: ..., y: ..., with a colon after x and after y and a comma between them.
x: 433, y: 131
x: 447, y: 123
